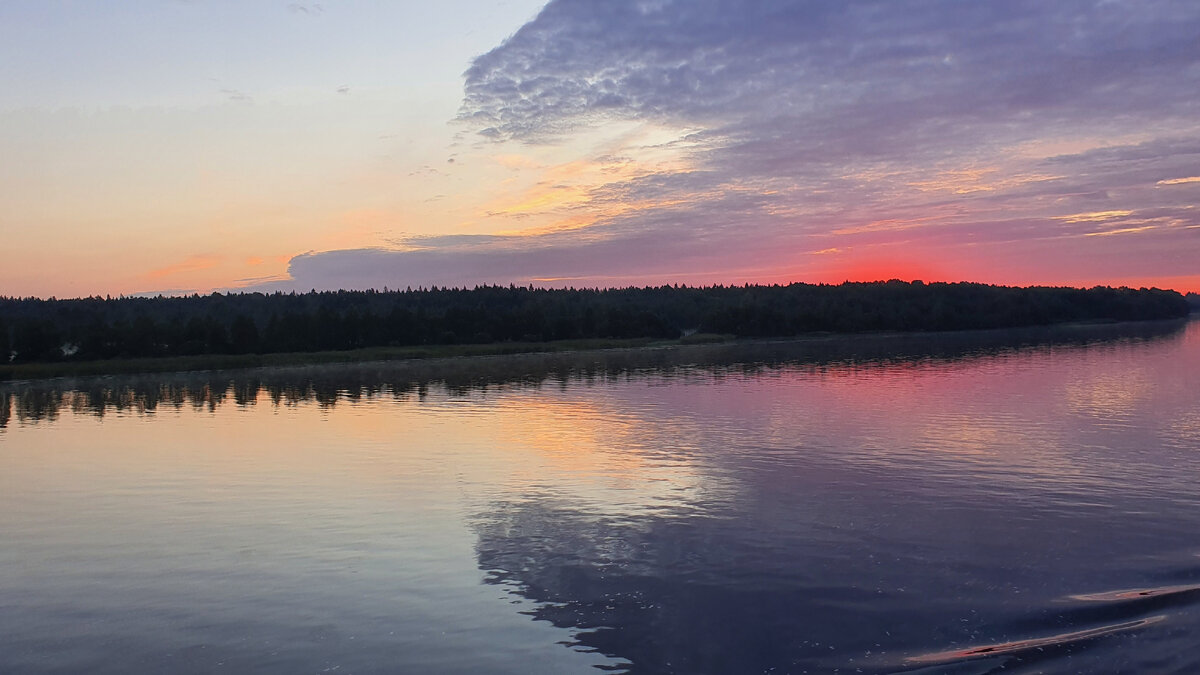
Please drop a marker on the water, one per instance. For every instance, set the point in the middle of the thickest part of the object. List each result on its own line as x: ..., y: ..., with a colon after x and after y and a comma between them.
x: 1000, y: 502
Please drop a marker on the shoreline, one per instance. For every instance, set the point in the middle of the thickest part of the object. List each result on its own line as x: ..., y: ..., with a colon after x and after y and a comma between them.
x: 432, y: 355
x: 31, y: 372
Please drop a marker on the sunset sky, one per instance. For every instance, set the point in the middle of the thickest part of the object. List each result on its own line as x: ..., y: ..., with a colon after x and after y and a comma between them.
x: 191, y: 146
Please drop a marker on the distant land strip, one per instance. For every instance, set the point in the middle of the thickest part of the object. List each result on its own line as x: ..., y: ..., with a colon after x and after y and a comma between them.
x: 51, y: 337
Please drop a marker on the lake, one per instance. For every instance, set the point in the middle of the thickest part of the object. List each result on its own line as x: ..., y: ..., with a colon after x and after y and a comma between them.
x: 1023, y: 501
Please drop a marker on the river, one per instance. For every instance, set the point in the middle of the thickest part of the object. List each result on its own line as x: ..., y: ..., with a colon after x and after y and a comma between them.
x: 966, y: 503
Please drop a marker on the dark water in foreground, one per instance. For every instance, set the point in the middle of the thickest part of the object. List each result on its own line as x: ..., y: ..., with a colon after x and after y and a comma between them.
x: 881, y: 505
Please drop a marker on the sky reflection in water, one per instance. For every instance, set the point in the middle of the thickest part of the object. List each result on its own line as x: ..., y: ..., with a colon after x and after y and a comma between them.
x: 888, y: 506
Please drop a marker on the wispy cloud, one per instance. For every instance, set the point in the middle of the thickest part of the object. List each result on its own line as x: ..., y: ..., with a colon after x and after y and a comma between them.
x: 1094, y: 216
x: 1123, y: 230
x: 193, y: 263
x: 308, y: 9
x: 248, y: 281
x: 237, y: 96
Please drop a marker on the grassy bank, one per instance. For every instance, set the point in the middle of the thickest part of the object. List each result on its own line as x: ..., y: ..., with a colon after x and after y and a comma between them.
x: 433, y: 353
x: 169, y: 364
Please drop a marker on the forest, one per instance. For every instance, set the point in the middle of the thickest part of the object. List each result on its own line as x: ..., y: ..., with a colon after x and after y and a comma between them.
x: 97, y: 328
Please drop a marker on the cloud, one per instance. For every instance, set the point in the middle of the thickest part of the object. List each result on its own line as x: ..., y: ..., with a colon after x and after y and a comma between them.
x: 237, y: 96
x: 306, y: 9
x: 826, y: 77
x: 464, y: 260
x: 194, y: 263
x: 258, y: 280
x: 1094, y: 216
x: 804, y: 91
x: 800, y: 126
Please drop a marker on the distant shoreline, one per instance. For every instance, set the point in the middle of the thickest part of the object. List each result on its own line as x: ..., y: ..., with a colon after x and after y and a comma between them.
x: 17, y: 374
x: 50, y: 338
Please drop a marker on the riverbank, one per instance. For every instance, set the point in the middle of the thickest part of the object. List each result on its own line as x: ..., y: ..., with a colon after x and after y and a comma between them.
x: 436, y: 357
x: 205, y: 362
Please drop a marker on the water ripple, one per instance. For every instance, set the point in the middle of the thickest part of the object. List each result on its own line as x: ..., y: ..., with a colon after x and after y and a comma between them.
x: 1023, y: 646
x: 1138, y: 593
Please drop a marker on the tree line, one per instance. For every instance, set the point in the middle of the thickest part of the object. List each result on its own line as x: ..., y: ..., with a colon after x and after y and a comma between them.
x: 33, y: 329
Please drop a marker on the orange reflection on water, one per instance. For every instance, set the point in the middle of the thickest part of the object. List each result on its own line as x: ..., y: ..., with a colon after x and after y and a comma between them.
x: 597, y: 449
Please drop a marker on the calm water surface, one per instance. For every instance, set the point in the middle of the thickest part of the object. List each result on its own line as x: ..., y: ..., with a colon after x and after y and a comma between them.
x: 967, y: 509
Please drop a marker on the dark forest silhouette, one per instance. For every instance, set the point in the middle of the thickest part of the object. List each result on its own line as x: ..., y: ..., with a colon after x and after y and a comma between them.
x: 36, y: 330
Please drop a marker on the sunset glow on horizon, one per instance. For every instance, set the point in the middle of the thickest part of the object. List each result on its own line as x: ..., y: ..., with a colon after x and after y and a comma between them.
x: 179, y: 147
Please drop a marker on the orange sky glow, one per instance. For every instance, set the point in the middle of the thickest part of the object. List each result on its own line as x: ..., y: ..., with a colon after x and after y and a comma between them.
x: 467, y: 145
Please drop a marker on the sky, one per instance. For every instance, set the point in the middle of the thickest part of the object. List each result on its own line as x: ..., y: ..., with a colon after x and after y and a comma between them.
x: 195, y: 146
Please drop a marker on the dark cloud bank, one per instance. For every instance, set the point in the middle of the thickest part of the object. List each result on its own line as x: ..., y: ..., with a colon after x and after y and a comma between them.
x: 814, y: 117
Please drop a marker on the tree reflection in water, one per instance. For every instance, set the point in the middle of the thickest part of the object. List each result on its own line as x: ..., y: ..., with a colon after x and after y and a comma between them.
x: 33, y: 401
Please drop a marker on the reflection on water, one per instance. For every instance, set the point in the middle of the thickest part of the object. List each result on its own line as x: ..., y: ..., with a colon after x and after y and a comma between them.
x: 328, y: 384
x: 1039, y: 645
x: 1017, y: 502
x: 1138, y: 593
